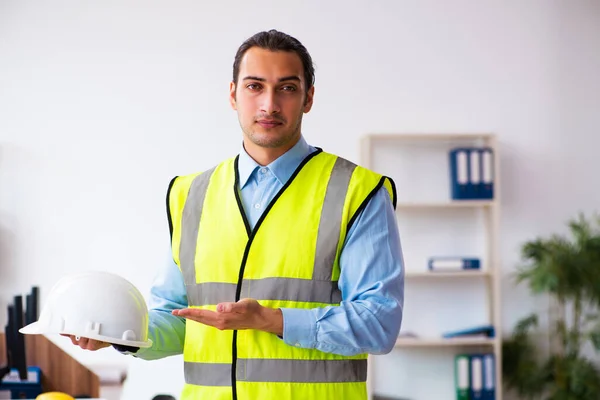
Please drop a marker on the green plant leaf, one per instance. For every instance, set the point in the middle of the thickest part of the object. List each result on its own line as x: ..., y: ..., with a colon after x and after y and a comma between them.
x: 573, y: 377
x: 584, y: 379
x: 566, y: 267
x: 591, y: 317
x: 520, y: 369
x: 595, y: 339
x: 524, y: 325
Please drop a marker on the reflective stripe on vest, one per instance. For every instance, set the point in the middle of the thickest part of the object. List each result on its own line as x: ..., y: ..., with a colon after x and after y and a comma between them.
x: 292, y: 289
x: 277, y: 370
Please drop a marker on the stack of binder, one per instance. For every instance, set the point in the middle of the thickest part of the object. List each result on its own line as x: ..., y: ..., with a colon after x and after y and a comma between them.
x: 471, y: 173
x: 475, y: 376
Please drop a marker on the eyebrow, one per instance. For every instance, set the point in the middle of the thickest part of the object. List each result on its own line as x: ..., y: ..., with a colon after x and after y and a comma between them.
x: 285, y: 78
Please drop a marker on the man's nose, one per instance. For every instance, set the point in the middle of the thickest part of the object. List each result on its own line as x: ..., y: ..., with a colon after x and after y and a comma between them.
x: 270, y: 103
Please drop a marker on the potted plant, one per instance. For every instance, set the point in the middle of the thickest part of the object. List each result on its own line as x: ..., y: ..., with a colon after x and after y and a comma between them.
x: 567, y: 269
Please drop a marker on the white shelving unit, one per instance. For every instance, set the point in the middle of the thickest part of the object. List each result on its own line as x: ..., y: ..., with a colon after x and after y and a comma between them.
x: 418, y: 163
x: 462, y: 342
x: 448, y: 275
x: 448, y: 204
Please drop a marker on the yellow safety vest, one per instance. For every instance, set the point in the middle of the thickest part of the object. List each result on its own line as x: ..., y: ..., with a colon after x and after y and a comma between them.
x: 290, y: 259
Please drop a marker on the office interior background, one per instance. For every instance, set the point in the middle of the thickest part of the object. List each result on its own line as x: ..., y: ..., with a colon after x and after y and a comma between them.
x: 103, y: 102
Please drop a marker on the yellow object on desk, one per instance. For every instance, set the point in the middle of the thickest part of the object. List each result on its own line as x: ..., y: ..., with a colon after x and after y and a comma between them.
x: 54, y: 396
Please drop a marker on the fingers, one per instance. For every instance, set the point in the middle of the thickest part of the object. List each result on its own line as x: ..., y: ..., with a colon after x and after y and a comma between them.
x: 206, y: 317
x: 188, y: 312
x: 70, y: 337
x: 241, y: 307
x: 96, y: 345
x: 244, y: 314
x: 86, y: 343
x: 91, y: 344
x: 226, y: 307
x: 196, y: 314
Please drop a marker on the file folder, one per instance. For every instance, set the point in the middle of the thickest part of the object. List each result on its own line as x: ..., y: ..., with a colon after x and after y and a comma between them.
x: 479, y: 331
x: 475, y: 172
x: 476, y: 390
x: 489, y: 377
x: 452, y: 264
x: 487, y: 173
x: 462, y: 376
x: 459, y: 174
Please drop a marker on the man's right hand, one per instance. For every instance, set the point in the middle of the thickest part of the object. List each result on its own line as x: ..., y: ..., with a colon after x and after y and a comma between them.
x: 87, y: 344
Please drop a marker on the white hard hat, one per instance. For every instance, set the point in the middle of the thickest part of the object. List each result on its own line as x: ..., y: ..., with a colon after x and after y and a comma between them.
x: 95, y: 305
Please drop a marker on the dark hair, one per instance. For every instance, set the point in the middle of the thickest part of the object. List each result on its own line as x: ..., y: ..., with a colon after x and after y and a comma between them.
x: 274, y: 40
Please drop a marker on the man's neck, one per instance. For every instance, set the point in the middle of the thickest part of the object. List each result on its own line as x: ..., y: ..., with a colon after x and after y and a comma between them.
x: 266, y: 155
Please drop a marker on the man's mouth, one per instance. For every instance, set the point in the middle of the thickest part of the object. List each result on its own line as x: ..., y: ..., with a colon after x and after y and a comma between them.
x: 268, y: 123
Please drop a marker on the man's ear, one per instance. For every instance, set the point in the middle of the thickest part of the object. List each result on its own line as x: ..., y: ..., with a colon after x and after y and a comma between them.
x: 232, y: 99
x: 308, y: 102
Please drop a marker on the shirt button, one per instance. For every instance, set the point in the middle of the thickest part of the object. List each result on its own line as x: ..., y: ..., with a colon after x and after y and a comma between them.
x: 257, y: 205
x: 263, y: 170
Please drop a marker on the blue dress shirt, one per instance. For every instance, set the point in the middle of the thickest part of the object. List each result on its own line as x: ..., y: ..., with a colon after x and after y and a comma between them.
x: 371, y: 279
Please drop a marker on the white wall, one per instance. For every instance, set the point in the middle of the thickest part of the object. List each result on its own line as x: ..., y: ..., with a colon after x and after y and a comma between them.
x: 101, y: 103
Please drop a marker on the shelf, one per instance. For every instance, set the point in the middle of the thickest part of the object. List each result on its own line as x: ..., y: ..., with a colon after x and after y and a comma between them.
x: 441, y: 342
x: 432, y: 222
x: 446, y: 275
x: 446, y: 204
x: 432, y: 137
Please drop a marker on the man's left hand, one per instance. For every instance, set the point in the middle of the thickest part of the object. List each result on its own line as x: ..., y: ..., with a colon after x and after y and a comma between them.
x: 245, y: 314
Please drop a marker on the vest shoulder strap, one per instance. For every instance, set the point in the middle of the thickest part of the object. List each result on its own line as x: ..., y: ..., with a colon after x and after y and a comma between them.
x: 177, y: 197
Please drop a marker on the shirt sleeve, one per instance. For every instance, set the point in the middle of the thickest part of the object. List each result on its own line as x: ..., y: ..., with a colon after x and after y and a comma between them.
x: 371, y: 280
x: 166, y: 331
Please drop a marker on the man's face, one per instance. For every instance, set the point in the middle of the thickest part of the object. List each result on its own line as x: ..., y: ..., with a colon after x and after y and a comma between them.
x: 270, y: 97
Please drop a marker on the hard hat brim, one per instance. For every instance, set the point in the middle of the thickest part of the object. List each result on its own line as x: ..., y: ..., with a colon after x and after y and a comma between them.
x: 106, y: 339
x: 32, y: 329
x: 35, y: 328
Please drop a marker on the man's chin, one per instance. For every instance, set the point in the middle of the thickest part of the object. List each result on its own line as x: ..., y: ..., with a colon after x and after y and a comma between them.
x: 269, y: 139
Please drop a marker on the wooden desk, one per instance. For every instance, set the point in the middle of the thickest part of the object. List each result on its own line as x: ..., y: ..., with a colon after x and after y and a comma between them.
x: 60, y: 371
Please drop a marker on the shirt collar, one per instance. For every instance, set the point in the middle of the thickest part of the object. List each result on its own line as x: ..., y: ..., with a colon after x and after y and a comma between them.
x: 282, y: 168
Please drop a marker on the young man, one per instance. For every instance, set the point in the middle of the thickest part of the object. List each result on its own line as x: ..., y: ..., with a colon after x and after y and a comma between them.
x: 288, y: 267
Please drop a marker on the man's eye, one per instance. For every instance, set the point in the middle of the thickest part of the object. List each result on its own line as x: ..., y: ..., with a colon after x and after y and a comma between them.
x: 288, y: 88
x: 253, y: 86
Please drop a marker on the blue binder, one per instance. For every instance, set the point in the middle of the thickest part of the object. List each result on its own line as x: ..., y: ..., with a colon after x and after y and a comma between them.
x: 489, y: 377
x: 476, y: 387
x: 460, y: 186
x: 475, y: 171
x: 452, y: 264
x: 485, y: 331
x: 487, y: 173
